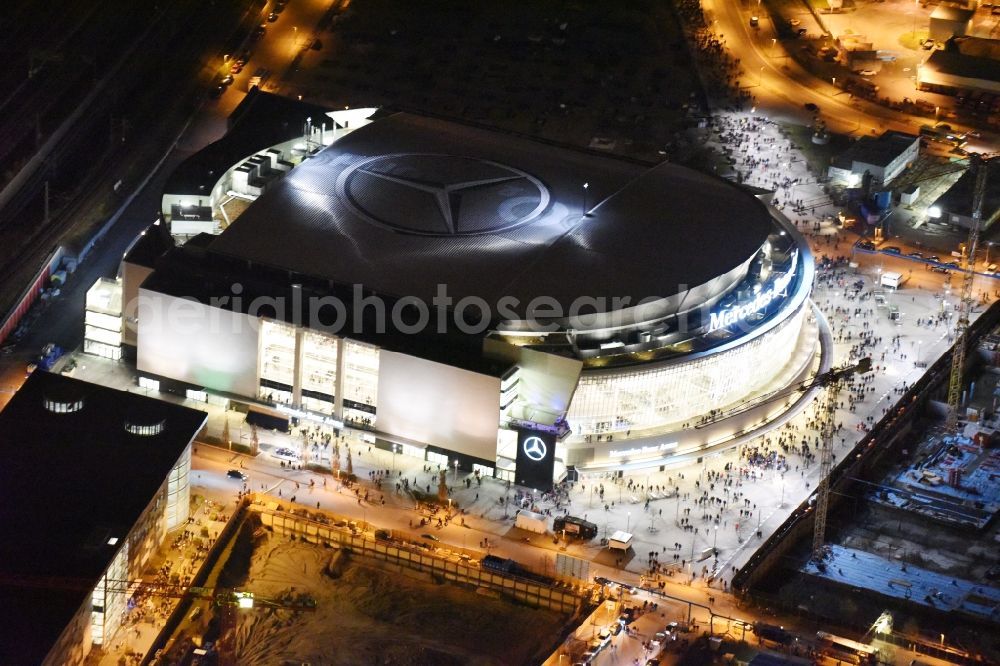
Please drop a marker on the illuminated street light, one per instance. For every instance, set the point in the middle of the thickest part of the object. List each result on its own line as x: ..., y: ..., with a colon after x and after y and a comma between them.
x: 244, y: 600
x: 883, y: 625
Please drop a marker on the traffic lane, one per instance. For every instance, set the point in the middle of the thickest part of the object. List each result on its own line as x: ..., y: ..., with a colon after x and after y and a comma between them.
x: 292, y: 32
x: 210, y: 466
x: 938, y: 273
x: 62, y: 319
x: 792, y: 86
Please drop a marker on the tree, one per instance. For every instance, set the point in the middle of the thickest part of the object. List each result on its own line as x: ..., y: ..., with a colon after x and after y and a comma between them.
x: 254, y: 440
x: 225, y: 434
x: 350, y: 465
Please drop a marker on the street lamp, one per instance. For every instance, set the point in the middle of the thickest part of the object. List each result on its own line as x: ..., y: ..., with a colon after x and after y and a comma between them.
x: 715, y: 540
x: 395, y: 450
x: 628, y: 520
x: 584, y: 211
x: 456, y: 468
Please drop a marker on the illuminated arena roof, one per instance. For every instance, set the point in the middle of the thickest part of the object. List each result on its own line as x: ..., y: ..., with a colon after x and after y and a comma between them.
x: 409, y: 202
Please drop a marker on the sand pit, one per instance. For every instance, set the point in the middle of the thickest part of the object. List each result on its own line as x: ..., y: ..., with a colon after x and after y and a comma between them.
x: 367, y: 614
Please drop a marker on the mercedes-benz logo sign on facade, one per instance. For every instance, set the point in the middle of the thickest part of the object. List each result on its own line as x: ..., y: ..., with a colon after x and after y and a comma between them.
x: 534, y: 448
x: 441, y: 195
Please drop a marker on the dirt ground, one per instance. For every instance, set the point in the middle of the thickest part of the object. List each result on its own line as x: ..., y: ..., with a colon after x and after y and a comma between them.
x: 366, y: 614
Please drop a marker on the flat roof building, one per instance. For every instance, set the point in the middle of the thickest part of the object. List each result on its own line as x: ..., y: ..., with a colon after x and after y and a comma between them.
x: 968, y: 64
x: 947, y: 22
x: 93, y: 480
x: 884, y: 157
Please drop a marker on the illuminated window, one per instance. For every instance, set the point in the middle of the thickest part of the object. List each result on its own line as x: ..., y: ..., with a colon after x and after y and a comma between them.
x: 672, y: 393
x: 64, y: 406
x: 145, y: 429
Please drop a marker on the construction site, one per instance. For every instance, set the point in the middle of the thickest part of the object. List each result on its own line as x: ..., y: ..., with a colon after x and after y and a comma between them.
x: 321, y: 590
x: 903, y: 530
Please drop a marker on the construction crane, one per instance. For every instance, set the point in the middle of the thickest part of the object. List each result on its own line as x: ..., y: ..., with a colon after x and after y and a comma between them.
x: 828, y: 430
x: 833, y: 380
x: 823, y: 379
x: 980, y: 167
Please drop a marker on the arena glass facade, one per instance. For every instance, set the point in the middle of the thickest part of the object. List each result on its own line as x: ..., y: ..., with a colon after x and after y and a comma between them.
x: 675, y: 392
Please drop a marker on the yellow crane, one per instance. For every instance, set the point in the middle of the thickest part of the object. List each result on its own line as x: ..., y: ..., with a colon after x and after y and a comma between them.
x: 980, y: 167
x: 828, y: 431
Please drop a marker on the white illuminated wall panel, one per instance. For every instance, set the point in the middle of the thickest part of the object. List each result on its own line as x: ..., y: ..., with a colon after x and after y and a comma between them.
x: 438, y: 404
x: 195, y: 343
x: 618, y: 401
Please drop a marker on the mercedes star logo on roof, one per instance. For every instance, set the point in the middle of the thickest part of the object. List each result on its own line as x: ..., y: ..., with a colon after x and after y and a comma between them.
x: 534, y: 448
x: 441, y: 195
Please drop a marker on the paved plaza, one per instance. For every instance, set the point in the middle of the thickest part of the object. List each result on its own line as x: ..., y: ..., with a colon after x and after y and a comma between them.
x: 680, y: 516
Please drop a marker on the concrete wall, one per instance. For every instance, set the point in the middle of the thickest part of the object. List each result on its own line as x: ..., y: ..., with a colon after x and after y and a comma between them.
x: 871, y: 451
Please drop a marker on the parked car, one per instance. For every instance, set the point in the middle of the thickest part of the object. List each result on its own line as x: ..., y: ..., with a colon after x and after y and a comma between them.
x: 236, y: 474
x: 867, y: 245
x: 286, y: 454
x: 892, y: 249
x: 811, y: 107
x: 915, y: 254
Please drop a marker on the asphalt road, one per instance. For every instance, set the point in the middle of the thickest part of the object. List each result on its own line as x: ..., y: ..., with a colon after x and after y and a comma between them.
x: 782, y: 87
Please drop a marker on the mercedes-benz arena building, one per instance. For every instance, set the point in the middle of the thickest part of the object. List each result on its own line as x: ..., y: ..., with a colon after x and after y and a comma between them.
x: 460, y: 291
